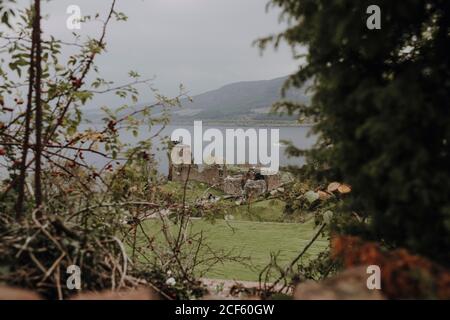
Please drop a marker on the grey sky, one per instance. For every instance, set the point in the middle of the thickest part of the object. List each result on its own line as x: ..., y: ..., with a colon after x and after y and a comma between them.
x: 203, y: 44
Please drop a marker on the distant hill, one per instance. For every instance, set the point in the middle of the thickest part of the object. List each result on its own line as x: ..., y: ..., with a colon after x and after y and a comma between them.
x: 240, y: 101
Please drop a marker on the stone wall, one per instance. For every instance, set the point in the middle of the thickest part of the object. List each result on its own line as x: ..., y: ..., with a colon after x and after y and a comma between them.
x: 233, y: 185
x: 211, y: 175
x: 254, y: 188
x: 273, y: 182
x: 216, y: 175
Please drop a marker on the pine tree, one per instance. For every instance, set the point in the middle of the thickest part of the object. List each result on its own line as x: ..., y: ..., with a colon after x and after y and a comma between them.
x: 381, y: 101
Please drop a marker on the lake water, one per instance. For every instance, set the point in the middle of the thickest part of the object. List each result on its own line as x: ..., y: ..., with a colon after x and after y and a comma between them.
x: 297, y: 135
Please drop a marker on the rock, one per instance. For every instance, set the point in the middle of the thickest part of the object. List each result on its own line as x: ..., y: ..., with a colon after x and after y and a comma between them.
x: 328, y: 216
x: 232, y: 185
x: 311, y: 196
x: 323, y: 195
x: 344, y: 189
x: 273, y: 181
x: 254, y: 188
x: 10, y: 293
x: 333, y: 187
x: 131, y: 294
x: 351, y: 284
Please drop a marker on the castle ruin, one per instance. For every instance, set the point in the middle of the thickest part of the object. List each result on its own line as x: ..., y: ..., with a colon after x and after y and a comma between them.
x: 239, y: 180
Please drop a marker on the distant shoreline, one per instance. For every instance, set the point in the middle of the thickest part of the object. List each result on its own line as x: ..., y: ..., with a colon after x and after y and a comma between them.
x: 248, y: 123
x: 229, y: 123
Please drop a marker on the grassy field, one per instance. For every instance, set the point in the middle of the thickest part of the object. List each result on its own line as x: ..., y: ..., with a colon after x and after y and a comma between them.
x: 255, y: 240
x: 261, y: 211
x: 194, y: 191
x: 255, y: 232
x: 265, y: 210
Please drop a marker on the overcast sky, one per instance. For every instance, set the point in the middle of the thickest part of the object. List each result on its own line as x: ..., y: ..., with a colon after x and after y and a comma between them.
x: 203, y: 44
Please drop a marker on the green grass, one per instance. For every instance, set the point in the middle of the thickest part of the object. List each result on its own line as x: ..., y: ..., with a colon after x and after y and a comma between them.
x: 255, y: 232
x: 195, y: 190
x: 265, y: 210
x: 262, y: 211
x: 255, y: 240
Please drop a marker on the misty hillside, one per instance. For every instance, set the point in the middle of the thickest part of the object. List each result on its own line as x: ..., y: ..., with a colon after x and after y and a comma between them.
x: 250, y: 100
x: 239, y: 102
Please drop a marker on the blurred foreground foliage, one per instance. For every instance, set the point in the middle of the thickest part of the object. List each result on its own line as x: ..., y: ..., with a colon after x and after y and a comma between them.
x: 380, y: 101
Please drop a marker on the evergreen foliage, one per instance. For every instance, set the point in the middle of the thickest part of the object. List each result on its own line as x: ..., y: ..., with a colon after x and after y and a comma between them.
x: 381, y: 102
